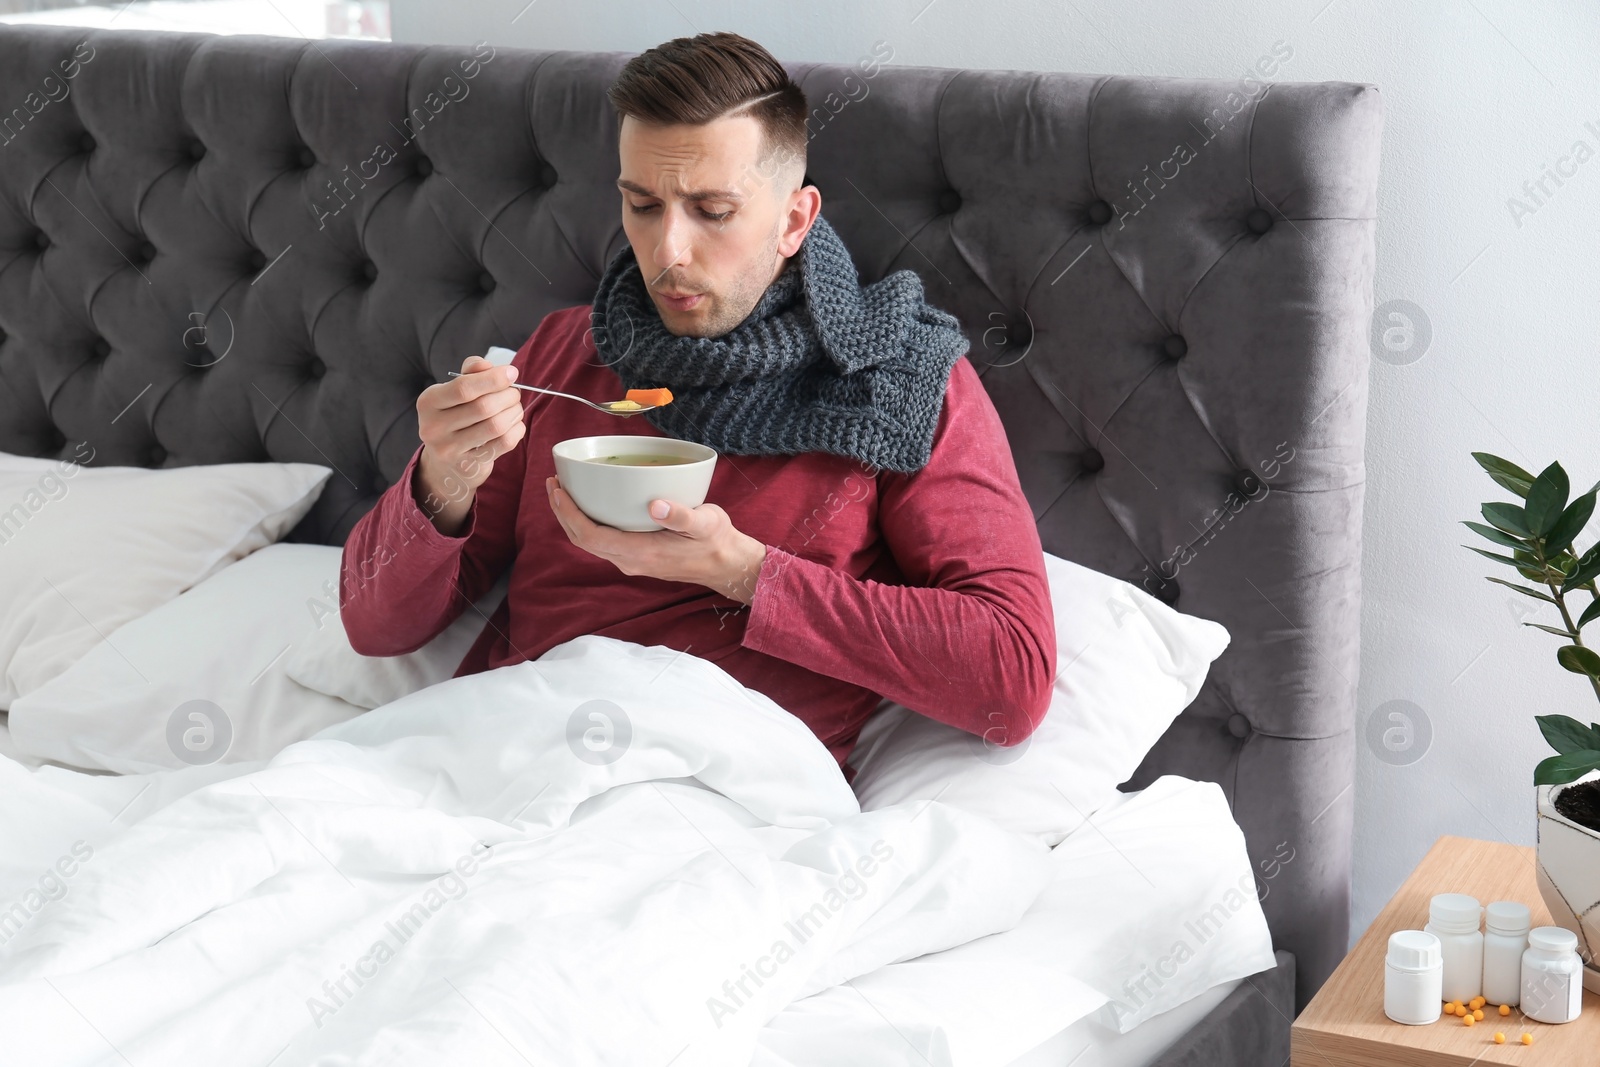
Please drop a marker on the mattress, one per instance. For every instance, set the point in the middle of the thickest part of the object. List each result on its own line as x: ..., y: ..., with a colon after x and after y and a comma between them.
x: 1093, y: 1042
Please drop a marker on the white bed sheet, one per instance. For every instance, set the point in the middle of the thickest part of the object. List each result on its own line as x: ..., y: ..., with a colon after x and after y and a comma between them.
x: 1149, y: 870
x: 1065, y: 1018
x: 9, y: 750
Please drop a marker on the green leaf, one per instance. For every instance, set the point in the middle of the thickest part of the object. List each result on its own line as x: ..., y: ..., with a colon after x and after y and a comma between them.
x: 1570, y: 524
x: 1497, y: 536
x: 1498, y: 558
x: 1529, y: 567
x: 1590, y: 613
x: 1579, y: 659
x: 1547, y: 498
x: 1568, y: 634
x: 1508, y: 517
x: 1567, y: 734
x: 1558, y: 770
x: 1505, y: 473
x: 1547, y: 598
x: 1588, y: 567
x: 1518, y: 486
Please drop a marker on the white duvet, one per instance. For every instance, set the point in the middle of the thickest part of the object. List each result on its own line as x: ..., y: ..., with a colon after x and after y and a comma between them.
x: 483, y: 873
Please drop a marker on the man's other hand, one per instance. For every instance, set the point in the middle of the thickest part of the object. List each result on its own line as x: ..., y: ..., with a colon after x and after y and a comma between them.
x: 699, y: 545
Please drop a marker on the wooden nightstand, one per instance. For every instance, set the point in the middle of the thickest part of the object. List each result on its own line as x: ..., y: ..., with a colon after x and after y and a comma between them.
x: 1344, y: 1025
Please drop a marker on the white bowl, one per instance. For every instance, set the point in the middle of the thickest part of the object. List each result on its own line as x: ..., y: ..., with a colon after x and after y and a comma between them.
x: 619, y: 496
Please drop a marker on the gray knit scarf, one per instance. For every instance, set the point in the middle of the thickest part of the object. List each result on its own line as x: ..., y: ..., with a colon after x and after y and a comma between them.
x: 820, y: 365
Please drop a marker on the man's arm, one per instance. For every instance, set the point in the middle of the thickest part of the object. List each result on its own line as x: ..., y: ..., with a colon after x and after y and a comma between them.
x: 402, y: 578
x: 971, y: 641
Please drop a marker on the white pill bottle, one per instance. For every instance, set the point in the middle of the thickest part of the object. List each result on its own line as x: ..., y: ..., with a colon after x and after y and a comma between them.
x: 1505, y: 939
x: 1552, y: 975
x: 1413, y: 976
x: 1453, y: 918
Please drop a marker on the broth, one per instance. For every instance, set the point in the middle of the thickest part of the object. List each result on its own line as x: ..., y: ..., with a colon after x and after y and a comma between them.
x: 641, y: 459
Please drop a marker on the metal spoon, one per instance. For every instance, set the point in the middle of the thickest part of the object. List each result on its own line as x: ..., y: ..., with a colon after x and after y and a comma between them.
x: 606, y: 406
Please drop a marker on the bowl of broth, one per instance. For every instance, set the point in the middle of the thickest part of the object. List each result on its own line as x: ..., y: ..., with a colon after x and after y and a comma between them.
x: 613, y: 478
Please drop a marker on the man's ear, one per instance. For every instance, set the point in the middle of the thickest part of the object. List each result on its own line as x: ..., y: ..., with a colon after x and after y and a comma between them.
x: 804, y: 207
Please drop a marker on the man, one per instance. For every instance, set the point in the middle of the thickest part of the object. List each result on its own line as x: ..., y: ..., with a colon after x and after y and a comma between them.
x: 864, y: 536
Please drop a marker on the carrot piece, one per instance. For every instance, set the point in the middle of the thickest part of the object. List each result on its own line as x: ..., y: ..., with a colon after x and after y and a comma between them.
x: 658, y: 397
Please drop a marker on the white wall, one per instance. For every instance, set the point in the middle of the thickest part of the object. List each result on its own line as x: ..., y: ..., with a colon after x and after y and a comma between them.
x: 1480, y: 96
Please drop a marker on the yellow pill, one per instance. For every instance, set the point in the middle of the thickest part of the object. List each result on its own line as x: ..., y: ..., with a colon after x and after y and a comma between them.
x: 1527, y: 1039
x: 1477, y: 1002
x: 1477, y: 1013
x: 1468, y: 1020
x: 1499, y: 1038
x: 1505, y: 1009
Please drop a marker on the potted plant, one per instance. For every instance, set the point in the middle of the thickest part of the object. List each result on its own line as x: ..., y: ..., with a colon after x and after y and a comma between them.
x: 1540, y: 532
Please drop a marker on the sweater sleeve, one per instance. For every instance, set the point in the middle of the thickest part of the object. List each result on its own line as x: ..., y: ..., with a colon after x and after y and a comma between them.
x: 401, y: 581
x: 971, y: 640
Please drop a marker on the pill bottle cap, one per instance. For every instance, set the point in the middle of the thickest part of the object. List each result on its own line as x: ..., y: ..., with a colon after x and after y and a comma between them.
x: 1507, y: 917
x: 1414, y: 950
x: 1454, y: 913
x: 1552, y: 939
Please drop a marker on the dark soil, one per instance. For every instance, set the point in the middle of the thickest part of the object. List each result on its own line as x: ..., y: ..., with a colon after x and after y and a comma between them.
x: 1581, y: 804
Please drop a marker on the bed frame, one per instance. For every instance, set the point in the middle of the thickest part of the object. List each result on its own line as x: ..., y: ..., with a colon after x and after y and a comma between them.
x: 224, y: 249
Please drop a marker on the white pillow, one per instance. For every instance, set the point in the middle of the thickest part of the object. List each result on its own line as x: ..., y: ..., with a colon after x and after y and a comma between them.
x: 84, y: 550
x: 216, y: 652
x: 328, y: 664
x: 1126, y: 664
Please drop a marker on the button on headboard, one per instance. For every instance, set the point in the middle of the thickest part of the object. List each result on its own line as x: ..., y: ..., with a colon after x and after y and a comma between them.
x: 222, y: 249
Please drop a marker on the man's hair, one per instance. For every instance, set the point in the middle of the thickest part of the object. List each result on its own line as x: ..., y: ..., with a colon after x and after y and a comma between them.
x: 696, y: 80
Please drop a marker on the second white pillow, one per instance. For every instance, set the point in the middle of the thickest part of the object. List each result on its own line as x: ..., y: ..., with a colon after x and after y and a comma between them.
x: 1126, y: 666
x: 198, y: 680
x: 328, y: 664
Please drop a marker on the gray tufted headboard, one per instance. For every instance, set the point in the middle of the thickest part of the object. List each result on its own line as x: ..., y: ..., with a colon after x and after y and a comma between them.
x: 220, y: 249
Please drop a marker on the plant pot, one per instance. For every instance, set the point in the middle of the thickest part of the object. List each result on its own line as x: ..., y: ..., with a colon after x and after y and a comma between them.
x: 1569, y: 877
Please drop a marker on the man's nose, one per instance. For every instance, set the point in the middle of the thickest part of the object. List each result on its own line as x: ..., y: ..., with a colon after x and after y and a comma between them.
x: 673, y: 247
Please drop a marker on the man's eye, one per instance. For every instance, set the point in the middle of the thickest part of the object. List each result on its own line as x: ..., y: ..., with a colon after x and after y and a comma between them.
x: 637, y: 210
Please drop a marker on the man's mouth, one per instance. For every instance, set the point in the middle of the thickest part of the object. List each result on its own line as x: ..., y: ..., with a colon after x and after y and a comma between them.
x: 680, y: 303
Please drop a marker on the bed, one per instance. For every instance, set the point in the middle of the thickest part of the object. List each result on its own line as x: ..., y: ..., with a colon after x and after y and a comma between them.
x: 1167, y: 284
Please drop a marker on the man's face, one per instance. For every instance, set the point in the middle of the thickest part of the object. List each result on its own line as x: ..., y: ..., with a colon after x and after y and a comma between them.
x: 709, y: 222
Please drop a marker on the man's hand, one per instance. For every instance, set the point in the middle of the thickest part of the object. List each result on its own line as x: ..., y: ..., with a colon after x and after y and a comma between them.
x: 699, y: 545
x: 465, y: 424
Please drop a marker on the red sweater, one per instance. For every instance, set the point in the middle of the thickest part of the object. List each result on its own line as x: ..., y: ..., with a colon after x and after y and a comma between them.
x: 926, y: 588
